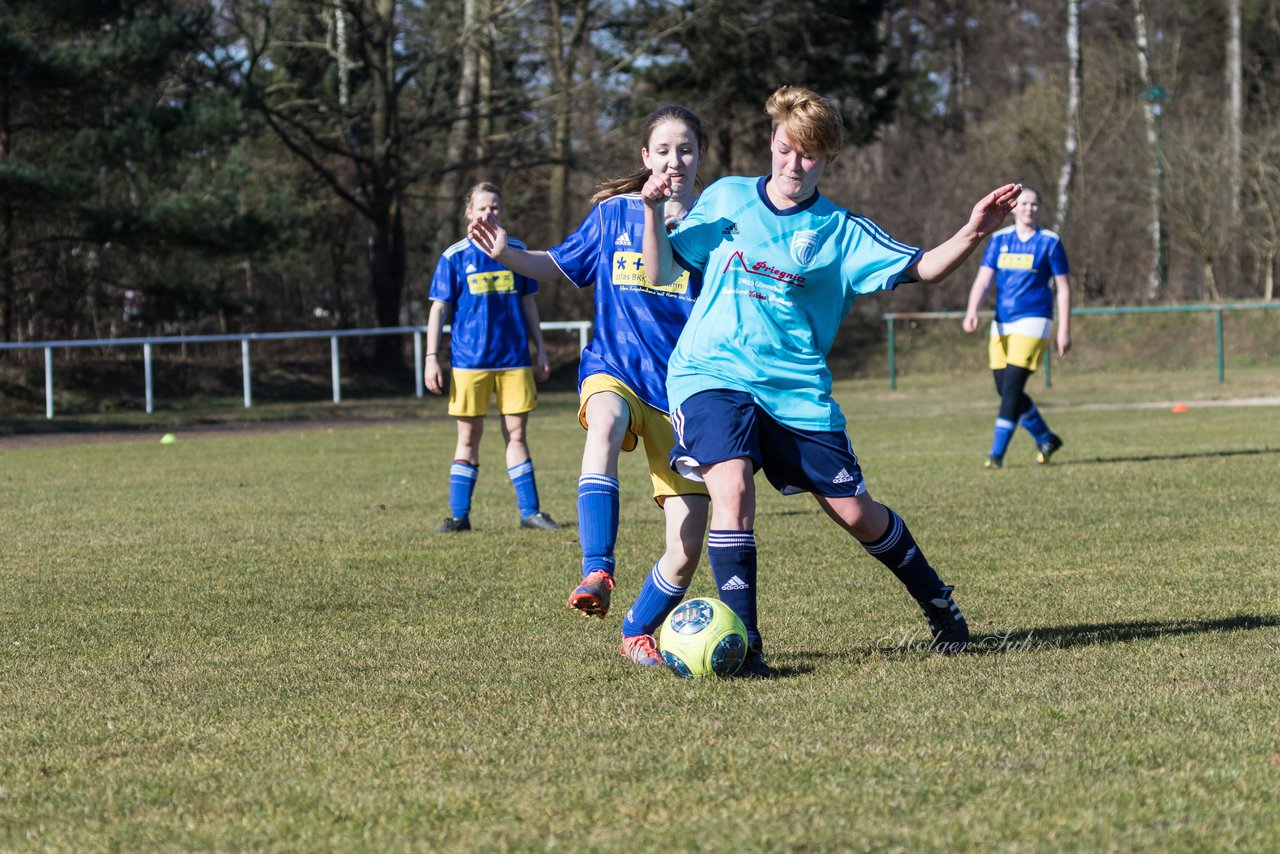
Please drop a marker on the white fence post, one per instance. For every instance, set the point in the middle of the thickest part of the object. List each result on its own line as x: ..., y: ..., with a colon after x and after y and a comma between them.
x: 333, y: 360
x: 146, y: 372
x: 244, y: 363
x: 48, y: 383
x: 417, y: 363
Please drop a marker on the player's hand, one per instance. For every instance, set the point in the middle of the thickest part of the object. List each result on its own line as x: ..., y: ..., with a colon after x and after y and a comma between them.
x: 432, y: 376
x: 970, y: 322
x: 542, y: 367
x: 485, y: 233
x: 1064, y: 343
x: 992, y: 208
x: 656, y: 191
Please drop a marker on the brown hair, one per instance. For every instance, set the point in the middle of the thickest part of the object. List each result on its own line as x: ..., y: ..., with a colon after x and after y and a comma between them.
x: 633, y: 182
x: 812, y: 122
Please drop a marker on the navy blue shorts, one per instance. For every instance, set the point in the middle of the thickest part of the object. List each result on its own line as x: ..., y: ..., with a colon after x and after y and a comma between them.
x: 718, y: 425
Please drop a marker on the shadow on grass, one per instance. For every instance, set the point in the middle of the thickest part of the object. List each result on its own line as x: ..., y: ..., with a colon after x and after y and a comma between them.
x: 1149, y: 458
x: 1003, y: 641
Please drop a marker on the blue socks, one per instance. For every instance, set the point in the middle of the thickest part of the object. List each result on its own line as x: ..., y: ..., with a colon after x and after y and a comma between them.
x: 1036, y: 425
x: 522, y: 479
x: 733, y: 565
x: 597, y: 521
x: 655, y: 601
x: 462, y: 483
x: 1001, y: 436
x: 897, y: 550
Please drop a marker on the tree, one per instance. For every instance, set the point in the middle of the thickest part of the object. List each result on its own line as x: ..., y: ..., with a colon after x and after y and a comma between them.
x: 113, y: 166
x: 356, y: 109
x: 1072, y: 144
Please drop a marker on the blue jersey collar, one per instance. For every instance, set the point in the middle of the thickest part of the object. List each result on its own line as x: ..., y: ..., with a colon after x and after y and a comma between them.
x: 791, y: 211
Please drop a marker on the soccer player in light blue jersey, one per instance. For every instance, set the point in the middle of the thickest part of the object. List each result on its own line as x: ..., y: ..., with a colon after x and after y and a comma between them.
x: 748, y: 381
x: 1026, y: 262
x: 494, y: 319
x: 622, y: 377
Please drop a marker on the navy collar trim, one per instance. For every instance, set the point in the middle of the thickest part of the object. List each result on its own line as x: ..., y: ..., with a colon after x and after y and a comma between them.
x: 791, y: 211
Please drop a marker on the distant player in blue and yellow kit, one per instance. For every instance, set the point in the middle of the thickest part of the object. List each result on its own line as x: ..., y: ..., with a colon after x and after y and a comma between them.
x: 1026, y: 262
x: 748, y: 381
x: 494, y: 319
x: 622, y: 378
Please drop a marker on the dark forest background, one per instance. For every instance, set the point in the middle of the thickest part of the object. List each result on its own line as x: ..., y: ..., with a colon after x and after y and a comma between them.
x: 177, y: 167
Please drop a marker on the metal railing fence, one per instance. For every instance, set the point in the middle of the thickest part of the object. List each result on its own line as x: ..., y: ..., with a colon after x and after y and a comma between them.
x: 581, y: 327
x: 1218, y: 310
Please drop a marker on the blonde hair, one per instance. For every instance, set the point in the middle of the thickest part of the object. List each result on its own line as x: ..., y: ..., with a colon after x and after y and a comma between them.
x: 482, y: 187
x: 812, y: 122
x: 634, y: 181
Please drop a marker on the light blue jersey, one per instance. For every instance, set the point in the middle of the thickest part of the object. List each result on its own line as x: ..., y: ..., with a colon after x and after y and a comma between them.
x: 776, y: 286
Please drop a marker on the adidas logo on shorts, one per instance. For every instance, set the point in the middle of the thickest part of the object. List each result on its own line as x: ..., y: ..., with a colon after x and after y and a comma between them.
x: 734, y: 583
x: 843, y: 477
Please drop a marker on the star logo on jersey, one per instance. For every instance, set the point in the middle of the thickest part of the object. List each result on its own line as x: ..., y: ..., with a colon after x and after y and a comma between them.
x: 730, y: 230
x: 843, y: 477
x: 804, y: 247
x: 623, y: 240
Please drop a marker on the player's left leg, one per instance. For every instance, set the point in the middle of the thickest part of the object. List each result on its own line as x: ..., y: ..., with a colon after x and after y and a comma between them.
x: 517, y: 397
x: 668, y: 581
x: 886, y: 537
x: 685, y: 507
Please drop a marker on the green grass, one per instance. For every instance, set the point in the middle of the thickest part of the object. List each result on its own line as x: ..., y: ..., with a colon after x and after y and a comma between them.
x: 253, y: 641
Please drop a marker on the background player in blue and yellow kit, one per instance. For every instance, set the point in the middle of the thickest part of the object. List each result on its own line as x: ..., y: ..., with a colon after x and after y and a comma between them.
x: 494, y: 319
x: 622, y: 377
x: 748, y: 381
x: 1025, y: 261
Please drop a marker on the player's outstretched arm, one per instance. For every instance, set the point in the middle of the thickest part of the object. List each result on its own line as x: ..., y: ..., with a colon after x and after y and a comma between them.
x: 659, y: 262
x: 492, y: 240
x: 942, y: 260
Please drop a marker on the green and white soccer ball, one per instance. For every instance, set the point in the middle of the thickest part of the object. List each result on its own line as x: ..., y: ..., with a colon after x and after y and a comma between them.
x: 703, y: 637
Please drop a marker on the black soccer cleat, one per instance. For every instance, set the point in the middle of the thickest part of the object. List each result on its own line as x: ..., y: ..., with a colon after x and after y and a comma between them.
x: 1045, y: 450
x: 946, y: 624
x: 454, y: 524
x: 540, y: 521
x: 754, y: 666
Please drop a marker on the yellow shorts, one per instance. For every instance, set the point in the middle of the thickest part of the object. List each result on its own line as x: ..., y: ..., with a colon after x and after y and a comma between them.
x: 1021, y: 343
x: 469, y: 392
x: 649, y: 424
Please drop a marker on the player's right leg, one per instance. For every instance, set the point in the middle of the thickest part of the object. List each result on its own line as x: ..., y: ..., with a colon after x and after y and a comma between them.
x: 463, y: 474
x: 606, y: 417
x: 718, y: 442
x: 469, y: 393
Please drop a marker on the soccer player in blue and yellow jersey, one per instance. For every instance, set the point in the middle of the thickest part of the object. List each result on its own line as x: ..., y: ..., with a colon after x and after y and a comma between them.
x: 748, y: 381
x: 494, y: 319
x: 1026, y: 262
x: 622, y: 378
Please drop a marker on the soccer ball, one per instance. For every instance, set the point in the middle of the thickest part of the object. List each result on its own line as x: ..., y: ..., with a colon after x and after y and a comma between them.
x: 703, y: 637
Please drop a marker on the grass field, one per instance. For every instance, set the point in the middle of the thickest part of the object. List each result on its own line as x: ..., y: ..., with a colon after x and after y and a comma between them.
x: 252, y: 640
